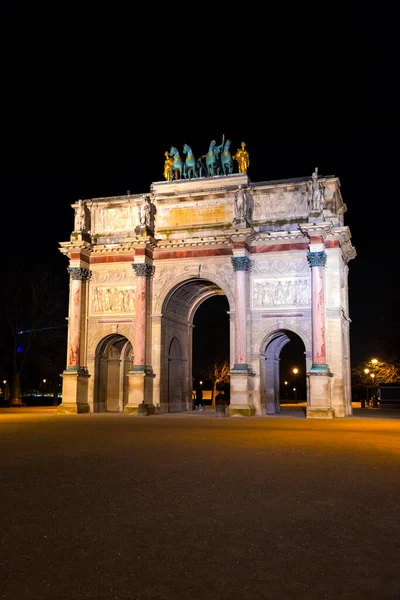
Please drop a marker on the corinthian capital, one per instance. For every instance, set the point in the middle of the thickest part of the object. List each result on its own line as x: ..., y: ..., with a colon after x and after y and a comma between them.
x: 241, y: 263
x: 143, y: 270
x: 79, y: 273
x: 317, y: 259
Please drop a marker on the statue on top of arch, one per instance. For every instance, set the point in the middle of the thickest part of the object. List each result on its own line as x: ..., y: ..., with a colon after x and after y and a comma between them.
x: 315, y: 193
x: 218, y: 161
x: 146, y: 216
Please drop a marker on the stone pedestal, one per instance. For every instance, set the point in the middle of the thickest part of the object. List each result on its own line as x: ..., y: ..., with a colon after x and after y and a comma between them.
x: 320, y: 395
x: 240, y: 403
x: 220, y: 410
x: 75, y: 392
x: 140, y: 383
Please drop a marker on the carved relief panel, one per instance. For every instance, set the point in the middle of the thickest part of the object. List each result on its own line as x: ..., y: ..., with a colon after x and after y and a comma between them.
x: 113, y: 290
x: 113, y: 299
x: 120, y: 218
x: 281, y: 282
x: 281, y: 292
x: 280, y: 205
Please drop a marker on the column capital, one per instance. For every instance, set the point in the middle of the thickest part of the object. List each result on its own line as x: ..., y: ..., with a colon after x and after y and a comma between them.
x: 79, y: 273
x: 143, y: 270
x: 241, y: 263
x: 317, y: 259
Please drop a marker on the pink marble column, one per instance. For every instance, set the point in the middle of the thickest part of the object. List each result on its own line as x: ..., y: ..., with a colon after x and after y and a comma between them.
x: 142, y: 271
x: 241, y: 265
x: 74, y: 325
x: 317, y: 261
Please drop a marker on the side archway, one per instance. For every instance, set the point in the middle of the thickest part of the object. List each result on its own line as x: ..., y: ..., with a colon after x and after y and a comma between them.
x: 273, y: 371
x: 175, y: 377
x: 113, y: 360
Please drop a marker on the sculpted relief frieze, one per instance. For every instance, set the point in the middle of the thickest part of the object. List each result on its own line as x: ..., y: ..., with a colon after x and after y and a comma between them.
x: 289, y: 292
x: 113, y: 299
x: 280, y: 266
x: 113, y: 276
x: 275, y: 206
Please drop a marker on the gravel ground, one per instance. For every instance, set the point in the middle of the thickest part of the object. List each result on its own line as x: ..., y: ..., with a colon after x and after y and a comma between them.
x: 111, y: 506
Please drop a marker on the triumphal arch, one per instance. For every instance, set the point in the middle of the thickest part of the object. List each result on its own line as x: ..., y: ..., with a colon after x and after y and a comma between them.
x: 141, y: 264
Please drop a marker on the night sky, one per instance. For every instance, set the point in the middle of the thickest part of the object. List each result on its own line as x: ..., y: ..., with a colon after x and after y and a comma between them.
x: 91, y: 101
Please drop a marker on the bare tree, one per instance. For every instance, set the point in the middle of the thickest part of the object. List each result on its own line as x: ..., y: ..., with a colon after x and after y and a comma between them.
x: 382, y: 372
x: 218, y: 373
x: 31, y: 301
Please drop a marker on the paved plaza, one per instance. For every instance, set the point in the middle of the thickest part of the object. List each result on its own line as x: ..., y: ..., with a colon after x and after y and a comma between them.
x: 195, y: 507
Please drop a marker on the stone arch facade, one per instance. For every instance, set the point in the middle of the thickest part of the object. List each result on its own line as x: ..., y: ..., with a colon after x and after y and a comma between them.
x: 282, y: 265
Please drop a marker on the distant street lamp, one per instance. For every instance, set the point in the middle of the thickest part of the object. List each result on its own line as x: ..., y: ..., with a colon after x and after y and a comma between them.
x: 374, y: 362
x: 365, y: 402
x: 6, y: 391
x: 285, y: 382
x: 374, y: 404
x: 295, y: 371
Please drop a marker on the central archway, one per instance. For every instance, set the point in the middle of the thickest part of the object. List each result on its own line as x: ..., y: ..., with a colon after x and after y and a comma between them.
x: 178, y: 310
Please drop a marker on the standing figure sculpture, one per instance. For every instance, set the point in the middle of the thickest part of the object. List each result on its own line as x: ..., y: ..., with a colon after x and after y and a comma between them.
x: 177, y: 164
x: 145, y: 212
x: 226, y: 159
x: 169, y: 161
x: 241, y: 203
x: 243, y: 158
x: 80, y: 217
x: 189, y: 168
x: 315, y: 193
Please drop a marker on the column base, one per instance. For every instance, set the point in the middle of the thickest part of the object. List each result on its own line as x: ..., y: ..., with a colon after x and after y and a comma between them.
x: 140, y: 410
x: 245, y: 411
x: 140, y: 389
x: 241, y: 400
x: 72, y: 409
x: 320, y: 413
x: 320, y: 403
x: 321, y: 369
x: 75, y: 391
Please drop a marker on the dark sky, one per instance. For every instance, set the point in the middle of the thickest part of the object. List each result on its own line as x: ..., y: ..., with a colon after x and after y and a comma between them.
x: 92, y: 100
